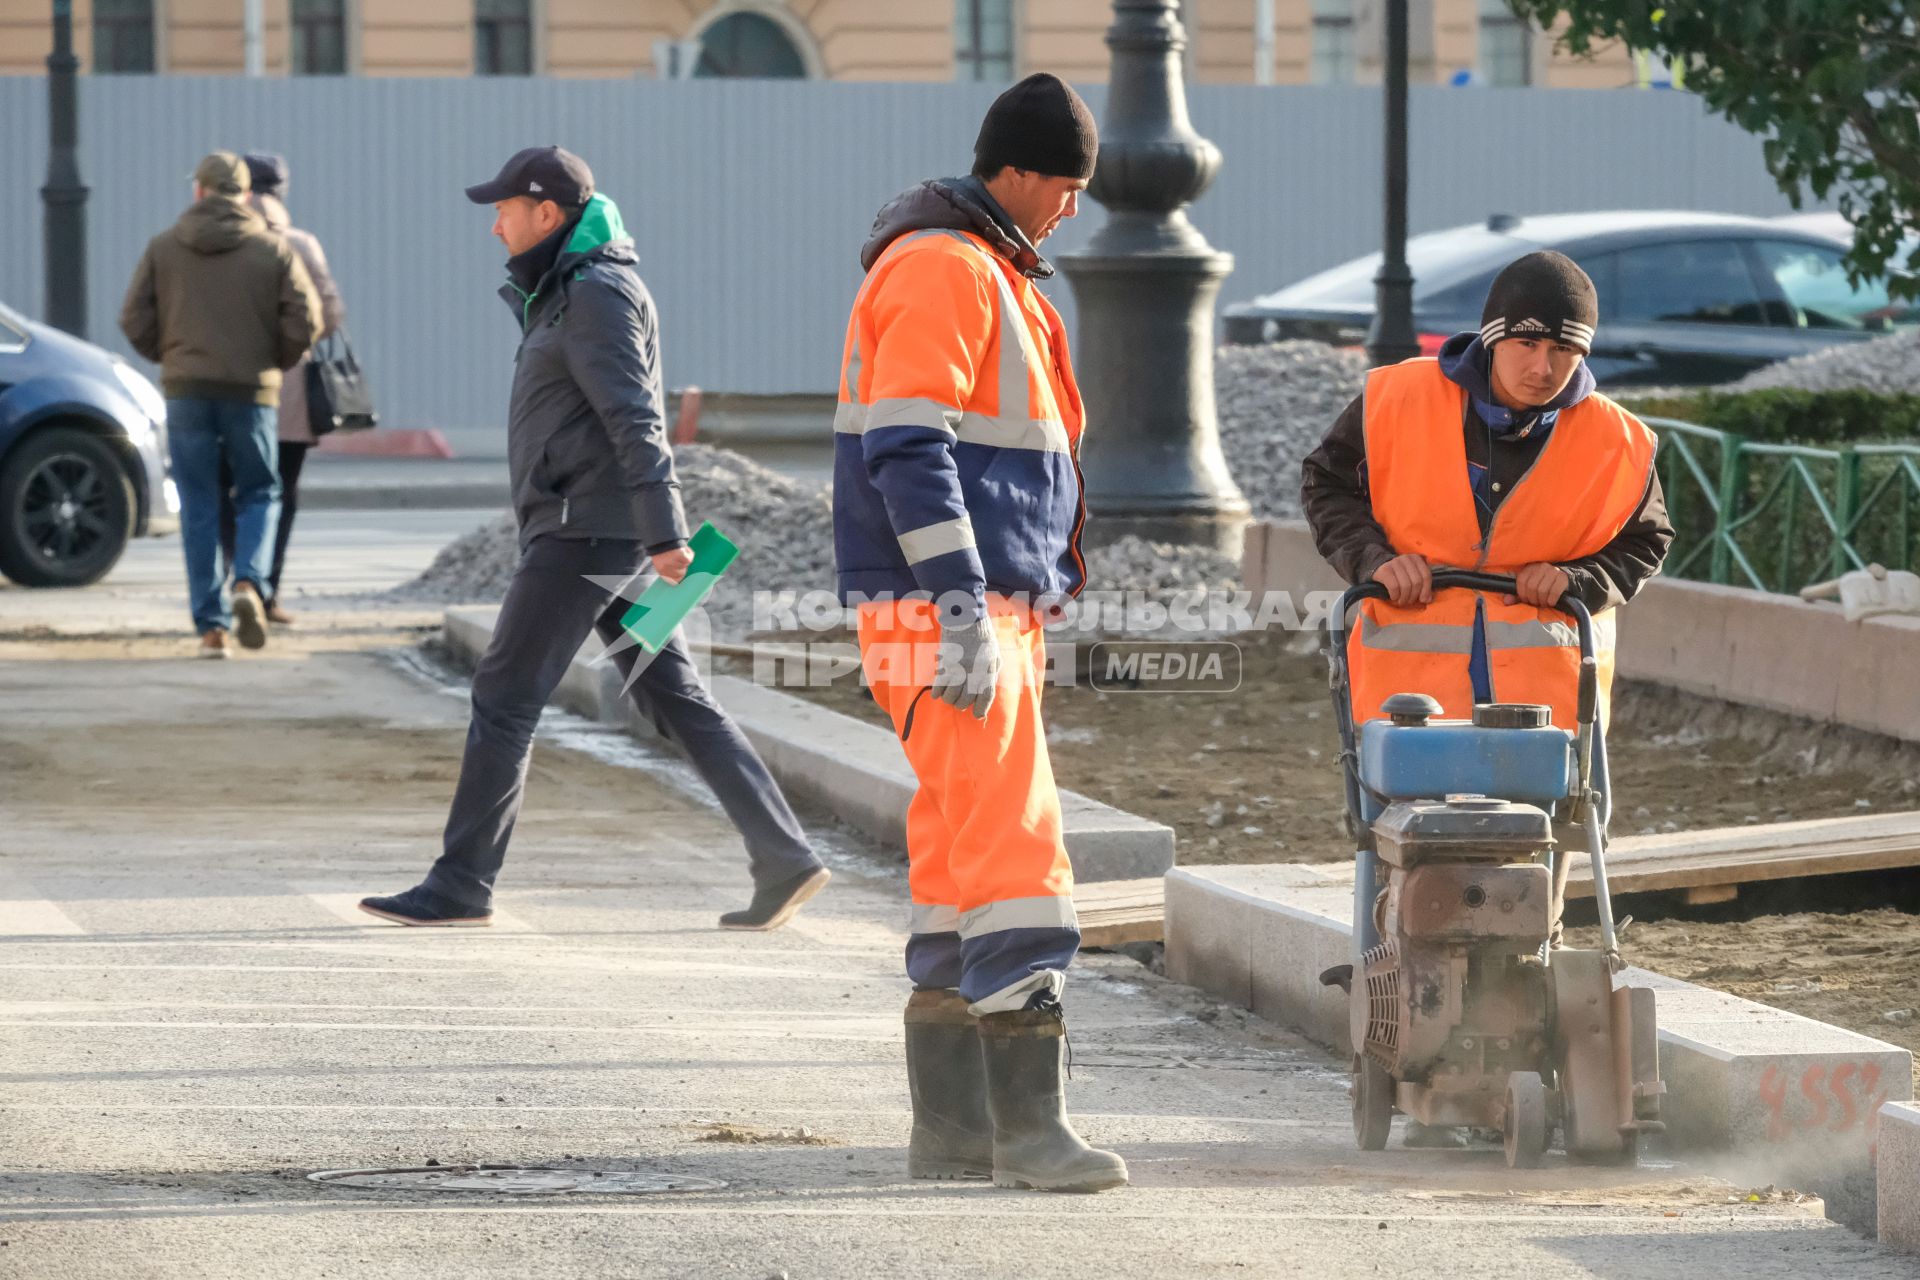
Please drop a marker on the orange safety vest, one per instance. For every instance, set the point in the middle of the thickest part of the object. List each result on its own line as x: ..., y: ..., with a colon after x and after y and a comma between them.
x: 1586, y: 484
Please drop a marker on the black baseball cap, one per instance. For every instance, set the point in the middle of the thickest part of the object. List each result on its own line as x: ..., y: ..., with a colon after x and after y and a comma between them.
x: 541, y: 173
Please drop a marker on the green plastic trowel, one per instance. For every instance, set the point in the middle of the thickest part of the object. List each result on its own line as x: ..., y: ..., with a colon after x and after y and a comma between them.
x: 664, y: 605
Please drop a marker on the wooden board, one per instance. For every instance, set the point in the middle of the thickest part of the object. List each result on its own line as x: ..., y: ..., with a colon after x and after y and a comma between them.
x: 1115, y: 911
x: 1723, y: 856
x: 1118, y: 911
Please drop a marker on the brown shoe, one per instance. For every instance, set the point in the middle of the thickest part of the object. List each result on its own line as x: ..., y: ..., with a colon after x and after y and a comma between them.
x: 249, y: 616
x: 213, y: 644
x: 277, y: 616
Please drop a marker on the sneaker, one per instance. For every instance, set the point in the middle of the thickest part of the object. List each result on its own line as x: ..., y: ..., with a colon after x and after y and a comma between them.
x: 773, y: 905
x: 249, y: 616
x: 277, y: 616
x: 213, y: 644
x: 421, y: 906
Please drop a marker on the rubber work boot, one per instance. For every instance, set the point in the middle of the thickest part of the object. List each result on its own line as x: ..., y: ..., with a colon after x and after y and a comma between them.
x: 1033, y: 1144
x: 952, y: 1136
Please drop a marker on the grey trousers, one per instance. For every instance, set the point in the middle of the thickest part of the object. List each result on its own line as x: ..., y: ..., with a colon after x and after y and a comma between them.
x: 550, y: 608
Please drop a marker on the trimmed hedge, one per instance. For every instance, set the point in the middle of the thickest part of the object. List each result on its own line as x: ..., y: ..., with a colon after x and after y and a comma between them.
x: 1788, y: 416
x: 1781, y: 531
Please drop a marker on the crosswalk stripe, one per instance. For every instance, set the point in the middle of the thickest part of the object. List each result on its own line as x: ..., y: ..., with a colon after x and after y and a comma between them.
x: 346, y: 906
x: 24, y: 915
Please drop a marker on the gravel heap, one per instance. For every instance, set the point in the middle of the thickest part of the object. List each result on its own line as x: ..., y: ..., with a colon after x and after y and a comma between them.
x: 1276, y: 402
x: 1160, y: 569
x: 472, y: 569
x: 1889, y: 366
x: 784, y: 527
x: 785, y: 530
x: 1140, y: 572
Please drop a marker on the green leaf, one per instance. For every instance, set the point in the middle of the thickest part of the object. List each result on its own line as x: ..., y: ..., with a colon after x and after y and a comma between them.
x: 1815, y: 79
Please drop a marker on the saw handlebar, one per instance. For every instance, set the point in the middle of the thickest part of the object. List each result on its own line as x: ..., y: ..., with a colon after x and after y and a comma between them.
x: 1469, y: 580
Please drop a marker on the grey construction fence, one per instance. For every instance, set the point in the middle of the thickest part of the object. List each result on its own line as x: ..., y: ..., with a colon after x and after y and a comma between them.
x: 749, y: 200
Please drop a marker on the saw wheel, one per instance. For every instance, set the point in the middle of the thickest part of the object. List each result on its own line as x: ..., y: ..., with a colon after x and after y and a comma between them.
x: 1527, y: 1128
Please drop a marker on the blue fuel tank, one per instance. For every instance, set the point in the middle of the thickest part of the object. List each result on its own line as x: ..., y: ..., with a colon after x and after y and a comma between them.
x: 1451, y: 757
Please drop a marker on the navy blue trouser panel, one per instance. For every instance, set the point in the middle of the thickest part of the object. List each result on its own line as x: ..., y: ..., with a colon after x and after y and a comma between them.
x: 933, y: 959
x: 992, y: 962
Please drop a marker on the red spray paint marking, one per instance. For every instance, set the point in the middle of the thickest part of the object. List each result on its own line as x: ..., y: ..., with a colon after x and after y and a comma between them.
x: 1853, y: 1085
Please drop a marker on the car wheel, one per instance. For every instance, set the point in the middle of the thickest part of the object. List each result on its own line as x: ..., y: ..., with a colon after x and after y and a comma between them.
x: 67, y: 509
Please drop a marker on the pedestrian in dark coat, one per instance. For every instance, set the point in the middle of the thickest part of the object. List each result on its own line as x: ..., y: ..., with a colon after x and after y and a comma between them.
x: 597, y: 502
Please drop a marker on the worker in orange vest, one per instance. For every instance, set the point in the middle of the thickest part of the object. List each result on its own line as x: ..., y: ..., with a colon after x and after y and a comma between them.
x: 957, y: 515
x: 1499, y: 456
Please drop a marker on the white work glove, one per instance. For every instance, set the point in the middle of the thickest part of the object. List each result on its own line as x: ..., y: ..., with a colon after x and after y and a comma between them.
x: 969, y: 666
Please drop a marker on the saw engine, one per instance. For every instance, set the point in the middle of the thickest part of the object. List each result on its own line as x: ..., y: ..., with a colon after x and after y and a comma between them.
x: 1454, y: 997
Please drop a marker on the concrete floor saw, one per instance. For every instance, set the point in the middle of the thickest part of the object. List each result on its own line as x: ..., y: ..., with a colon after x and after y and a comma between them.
x: 1465, y: 1009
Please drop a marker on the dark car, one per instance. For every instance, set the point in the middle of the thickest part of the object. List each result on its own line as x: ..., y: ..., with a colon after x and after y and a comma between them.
x: 83, y: 457
x: 1686, y: 299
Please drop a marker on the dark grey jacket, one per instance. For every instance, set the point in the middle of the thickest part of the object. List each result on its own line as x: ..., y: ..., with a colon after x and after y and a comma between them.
x: 587, y: 448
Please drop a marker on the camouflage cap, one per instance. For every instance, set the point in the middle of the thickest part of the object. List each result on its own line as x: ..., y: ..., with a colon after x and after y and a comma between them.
x: 224, y: 173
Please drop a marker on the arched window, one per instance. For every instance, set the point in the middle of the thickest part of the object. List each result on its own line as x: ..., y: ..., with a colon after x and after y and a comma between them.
x: 749, y: 46
x: 123, y: 36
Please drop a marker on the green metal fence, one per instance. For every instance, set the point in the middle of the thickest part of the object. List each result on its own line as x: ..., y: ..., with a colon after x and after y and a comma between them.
x: 1776, y: 517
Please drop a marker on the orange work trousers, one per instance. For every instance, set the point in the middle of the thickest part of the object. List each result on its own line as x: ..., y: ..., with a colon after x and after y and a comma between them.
x: 992, y: 888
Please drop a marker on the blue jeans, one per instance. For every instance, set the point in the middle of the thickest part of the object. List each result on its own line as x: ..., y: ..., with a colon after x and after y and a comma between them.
x: 200, y: 435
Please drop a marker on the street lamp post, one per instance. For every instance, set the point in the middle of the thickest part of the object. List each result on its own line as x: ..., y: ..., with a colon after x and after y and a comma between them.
x: 1391, y: 338
x: 64, y: 197
x: 1146, y: 285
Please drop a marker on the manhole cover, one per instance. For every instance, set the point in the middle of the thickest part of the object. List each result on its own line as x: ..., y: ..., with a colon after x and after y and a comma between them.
x: 516, y: 1180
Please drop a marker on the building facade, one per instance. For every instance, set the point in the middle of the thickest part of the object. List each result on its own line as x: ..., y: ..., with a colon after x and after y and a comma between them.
x: 1311, y: 41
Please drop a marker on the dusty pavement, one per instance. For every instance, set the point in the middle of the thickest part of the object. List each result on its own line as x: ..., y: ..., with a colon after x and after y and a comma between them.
x: 192, y: 1019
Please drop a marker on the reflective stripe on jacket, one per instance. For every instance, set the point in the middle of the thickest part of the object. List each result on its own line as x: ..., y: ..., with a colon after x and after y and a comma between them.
x: 1581, y: 491
x: 956, y: 432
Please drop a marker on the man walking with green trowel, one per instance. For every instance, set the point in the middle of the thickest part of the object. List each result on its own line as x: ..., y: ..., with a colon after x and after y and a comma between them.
x: 597, y: 502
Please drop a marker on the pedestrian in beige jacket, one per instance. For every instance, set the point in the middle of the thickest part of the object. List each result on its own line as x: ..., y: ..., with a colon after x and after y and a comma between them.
x: 296, y: 435
x: 224, y: 306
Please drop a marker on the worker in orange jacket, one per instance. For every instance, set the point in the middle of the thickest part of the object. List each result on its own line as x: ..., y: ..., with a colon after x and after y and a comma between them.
x: 1499, y: 456
x: 957, y: 514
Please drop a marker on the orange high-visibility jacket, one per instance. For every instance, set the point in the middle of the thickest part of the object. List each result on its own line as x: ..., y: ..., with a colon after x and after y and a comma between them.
x: 956, y: 431
x: 1589, y: 479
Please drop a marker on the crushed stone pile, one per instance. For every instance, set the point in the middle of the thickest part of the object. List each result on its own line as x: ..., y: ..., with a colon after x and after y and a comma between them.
x: 472, y: 569
x: 784, y: 527
x: 1159, y: 569
x: 1275, y: 403
x: 1128, y: 578
x: 1889, y: 366
x: 785, y: 530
